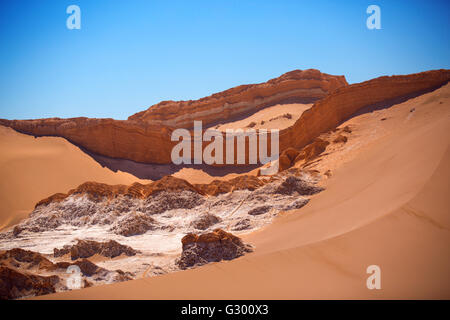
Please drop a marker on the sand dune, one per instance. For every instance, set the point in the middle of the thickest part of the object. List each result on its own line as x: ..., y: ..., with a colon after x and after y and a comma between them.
x: 279, y: 116
x: 387, y: 205
x: 33, y: 169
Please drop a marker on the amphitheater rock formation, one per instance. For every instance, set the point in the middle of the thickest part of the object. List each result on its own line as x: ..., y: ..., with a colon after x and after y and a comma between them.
x: 146, y: 136
x: 303, y: 86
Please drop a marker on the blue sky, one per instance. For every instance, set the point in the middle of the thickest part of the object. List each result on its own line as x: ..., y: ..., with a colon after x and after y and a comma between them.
x: 131, y: 54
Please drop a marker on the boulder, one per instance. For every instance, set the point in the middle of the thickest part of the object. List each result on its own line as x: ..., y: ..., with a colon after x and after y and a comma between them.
x: 88, y: 248
x: 210, y: 247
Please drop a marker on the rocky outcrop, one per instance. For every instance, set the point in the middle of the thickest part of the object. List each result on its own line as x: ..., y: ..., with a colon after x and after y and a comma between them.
x: 205, y: 221
x: 296, y: 185
x: 24, y: 259
x: 146, y: 136
x: 303, y: 86
x: 165, y: 188
x: 15, y: 284
x: 326, y: 114
x: 210, y: 247
x: 87, y: 268
x: 259, y: 210
x: 116, y: 210
x: 88, y: 248
x: 123, y: 139
x: 134, y: 224
x: 97, y: 191
x: 244, y: 182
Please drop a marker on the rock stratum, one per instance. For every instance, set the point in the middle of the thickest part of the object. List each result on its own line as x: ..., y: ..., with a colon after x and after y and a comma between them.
x: 146, y: 137
x: 298, y: 86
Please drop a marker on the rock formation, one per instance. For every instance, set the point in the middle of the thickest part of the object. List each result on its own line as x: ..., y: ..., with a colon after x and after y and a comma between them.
x: 134, y: 224
x: 327, y: 113
x: 87, y: 248
x: 15, y: 284
x: 210, y: 247
x: 24, y: 259
x: 296, y: 86
x: 205, y: 221
x: 145, y: 137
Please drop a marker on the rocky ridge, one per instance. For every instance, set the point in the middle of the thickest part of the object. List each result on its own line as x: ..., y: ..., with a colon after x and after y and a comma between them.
x: 140, y: 139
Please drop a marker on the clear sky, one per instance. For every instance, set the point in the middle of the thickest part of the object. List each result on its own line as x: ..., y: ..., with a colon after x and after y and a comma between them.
x: 131, y: 54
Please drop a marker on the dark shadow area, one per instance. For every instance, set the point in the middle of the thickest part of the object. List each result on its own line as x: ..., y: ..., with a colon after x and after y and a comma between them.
x: 157, y: 171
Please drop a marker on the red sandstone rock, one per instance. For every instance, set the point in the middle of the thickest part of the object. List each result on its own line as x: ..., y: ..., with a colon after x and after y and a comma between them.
x: 140, y: 139
x: 97, y: 191
x: 338, y: 106
x: 306, y: 86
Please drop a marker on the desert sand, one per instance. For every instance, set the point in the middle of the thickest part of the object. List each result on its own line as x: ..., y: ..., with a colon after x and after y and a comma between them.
x: 35, y: 168
x: 386, y: 203
x: 279, y: 116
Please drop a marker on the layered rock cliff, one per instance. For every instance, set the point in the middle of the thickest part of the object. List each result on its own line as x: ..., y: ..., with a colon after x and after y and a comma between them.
x: 145, y: 136
x: 303, y: 86
x: 141, y: 140
x: 345, y: 102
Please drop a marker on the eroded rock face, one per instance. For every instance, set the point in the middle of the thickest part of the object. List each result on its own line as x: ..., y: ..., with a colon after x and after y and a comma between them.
x: 303, y: 86
x: 114, y: 210
x: 134, y: 224
x: 145, y: 137
x: 205, y: 221
x: 210, y: 247
x: 15, y: 284
x: 87, y: 268
x: 25, y: 259
x: 327, y: 113
x: 109, y: 211
x: 260, y: 210
x: 97, y: 191
x: 244, y: 182
x: 87, y: 248
x: 295, y: 185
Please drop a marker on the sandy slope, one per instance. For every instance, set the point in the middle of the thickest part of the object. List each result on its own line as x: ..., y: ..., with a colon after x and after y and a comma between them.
x: 272, y: 117
x: 32, y: 169
x: 387, y: 205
